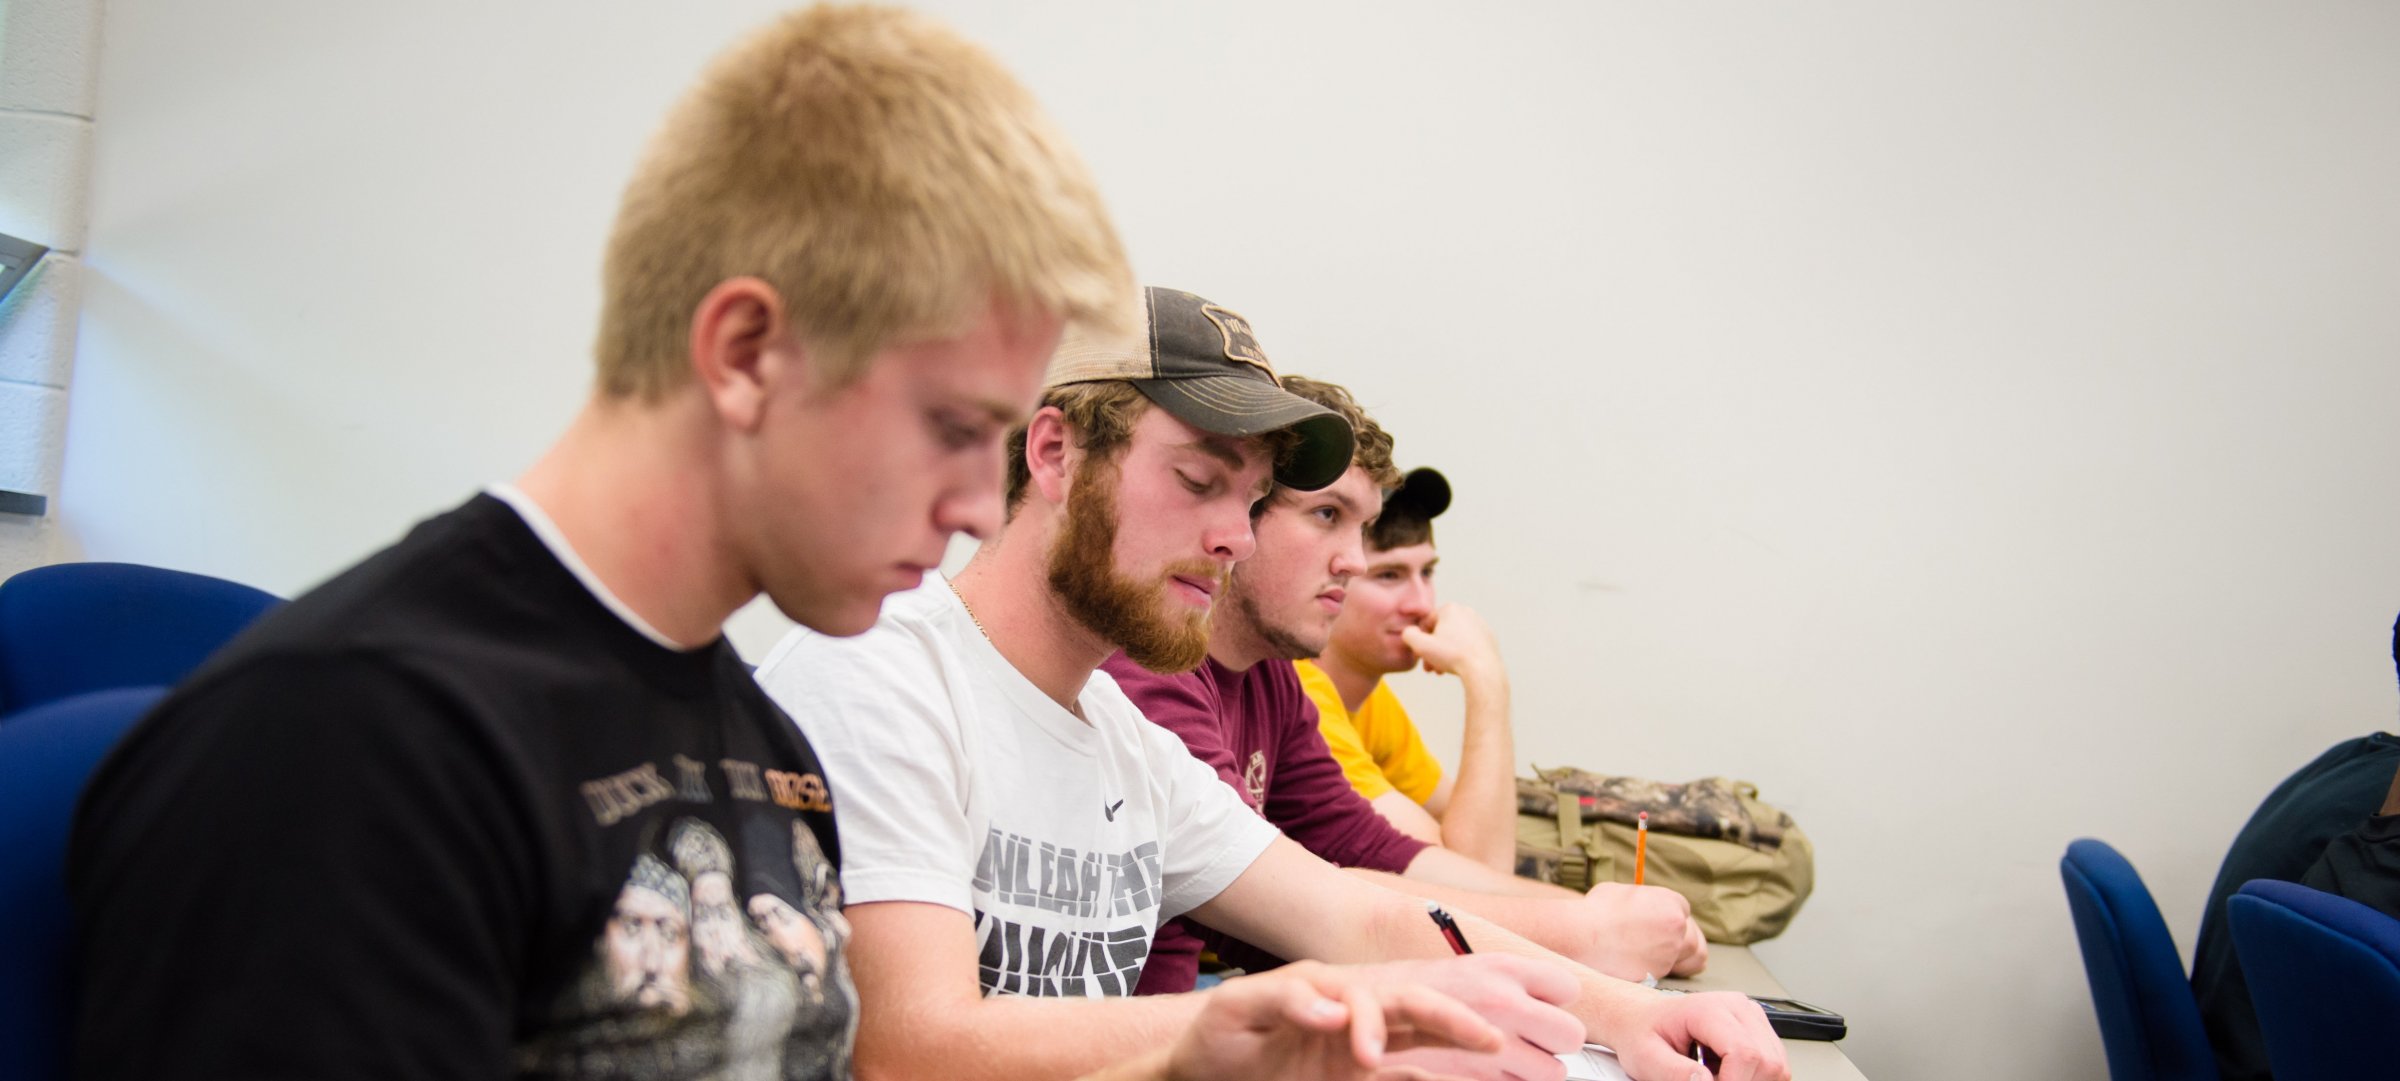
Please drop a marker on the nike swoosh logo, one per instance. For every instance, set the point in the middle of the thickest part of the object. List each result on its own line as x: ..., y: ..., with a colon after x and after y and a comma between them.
x: 1111, y: 810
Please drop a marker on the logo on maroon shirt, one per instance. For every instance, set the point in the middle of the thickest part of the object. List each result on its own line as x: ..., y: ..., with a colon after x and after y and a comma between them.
x: 1254, y: 781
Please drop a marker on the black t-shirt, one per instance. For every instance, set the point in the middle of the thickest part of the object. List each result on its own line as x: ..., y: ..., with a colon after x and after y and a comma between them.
x: 2318, y: 828
x: 447, y: 816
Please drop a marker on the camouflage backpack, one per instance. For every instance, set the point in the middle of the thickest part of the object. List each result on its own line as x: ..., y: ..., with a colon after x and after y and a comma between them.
x: 1744, y: 865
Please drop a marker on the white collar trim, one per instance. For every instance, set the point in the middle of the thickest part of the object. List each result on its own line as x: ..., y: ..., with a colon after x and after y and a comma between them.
x: 539, y: 521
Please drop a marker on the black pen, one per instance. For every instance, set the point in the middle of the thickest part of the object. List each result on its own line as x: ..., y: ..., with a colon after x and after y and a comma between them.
x: 1449, y: 928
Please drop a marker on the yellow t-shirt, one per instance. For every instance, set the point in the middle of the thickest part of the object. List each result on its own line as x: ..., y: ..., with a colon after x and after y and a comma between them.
x: 1378, y: 746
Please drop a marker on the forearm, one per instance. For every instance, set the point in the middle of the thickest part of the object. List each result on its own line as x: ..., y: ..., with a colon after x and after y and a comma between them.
x: 1480, y: 821
x: 1629, y: 934
x: 1009, y: 1037
x: 1544, y: 919
x: 1447, y: 869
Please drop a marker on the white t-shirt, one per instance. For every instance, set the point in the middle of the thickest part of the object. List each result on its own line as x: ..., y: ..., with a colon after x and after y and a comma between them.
x: 957, y: 782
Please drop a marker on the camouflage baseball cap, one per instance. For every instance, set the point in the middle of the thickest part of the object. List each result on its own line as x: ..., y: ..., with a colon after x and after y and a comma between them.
x: 1201, y: 363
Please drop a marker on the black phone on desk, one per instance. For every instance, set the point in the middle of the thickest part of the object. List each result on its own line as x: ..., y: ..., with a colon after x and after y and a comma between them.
x: 1793, y: 1019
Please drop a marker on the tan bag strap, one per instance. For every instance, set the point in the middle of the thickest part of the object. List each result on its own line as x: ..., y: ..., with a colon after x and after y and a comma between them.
x: 1571, y: 830
x: 1569, y: 809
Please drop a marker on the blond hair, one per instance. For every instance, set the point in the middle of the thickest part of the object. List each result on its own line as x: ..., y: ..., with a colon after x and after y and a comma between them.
x: 888, y: 178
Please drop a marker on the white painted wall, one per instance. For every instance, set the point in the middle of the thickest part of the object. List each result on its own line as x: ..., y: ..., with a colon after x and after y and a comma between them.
x: 1973, y: 426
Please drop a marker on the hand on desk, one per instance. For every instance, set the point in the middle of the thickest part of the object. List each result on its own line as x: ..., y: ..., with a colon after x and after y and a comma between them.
x: 1484, y: 1018
x: 1648, y: 930
x: 1725, y: 1022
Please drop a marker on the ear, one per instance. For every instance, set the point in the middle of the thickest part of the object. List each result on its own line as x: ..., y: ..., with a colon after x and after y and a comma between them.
x: 740, y: 347
x: 1049, y: 454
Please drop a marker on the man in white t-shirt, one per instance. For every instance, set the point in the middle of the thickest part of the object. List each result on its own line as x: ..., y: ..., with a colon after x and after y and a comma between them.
x: 1006, y: 812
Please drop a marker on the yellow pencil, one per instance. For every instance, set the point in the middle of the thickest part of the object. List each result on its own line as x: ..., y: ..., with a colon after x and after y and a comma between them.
x: 1641, y: 845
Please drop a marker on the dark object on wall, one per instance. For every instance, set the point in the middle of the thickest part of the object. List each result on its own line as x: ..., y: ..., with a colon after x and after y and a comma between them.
x: 16, y: 260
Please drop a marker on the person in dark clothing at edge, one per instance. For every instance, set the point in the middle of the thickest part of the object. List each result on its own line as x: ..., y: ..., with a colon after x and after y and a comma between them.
x: 501, y: 800
x: 2333, y: 826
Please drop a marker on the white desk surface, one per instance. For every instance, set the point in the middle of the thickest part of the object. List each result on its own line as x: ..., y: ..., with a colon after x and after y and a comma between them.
x: 1735, y: 968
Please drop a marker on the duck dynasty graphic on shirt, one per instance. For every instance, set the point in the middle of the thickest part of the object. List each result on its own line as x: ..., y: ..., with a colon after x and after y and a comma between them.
x: 721, y: 956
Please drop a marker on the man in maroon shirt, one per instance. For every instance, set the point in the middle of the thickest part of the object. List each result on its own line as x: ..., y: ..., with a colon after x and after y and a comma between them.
x: 1244, y: 713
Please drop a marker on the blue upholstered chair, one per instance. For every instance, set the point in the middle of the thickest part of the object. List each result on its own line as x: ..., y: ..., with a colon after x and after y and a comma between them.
x: 2324, y: 972
x: 2149, y: 1022
x: 75, y: 627
x: 46, y: 754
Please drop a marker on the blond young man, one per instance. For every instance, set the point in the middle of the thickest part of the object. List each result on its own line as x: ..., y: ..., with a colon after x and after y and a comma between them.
x: 1008, y: 869
x: 500, y: 801
x: 1242, y: 711
x: 1392, y: 622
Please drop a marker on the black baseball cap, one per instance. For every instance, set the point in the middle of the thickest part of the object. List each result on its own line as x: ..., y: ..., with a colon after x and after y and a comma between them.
x: 1424, y: 494
x: 1201, y: 363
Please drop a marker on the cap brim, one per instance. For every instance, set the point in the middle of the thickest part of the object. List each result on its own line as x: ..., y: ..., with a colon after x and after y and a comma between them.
x: 1241, y: 406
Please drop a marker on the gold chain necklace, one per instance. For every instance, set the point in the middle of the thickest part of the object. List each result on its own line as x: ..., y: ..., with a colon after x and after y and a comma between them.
x: 962, y: 603
x: 1075, y: 707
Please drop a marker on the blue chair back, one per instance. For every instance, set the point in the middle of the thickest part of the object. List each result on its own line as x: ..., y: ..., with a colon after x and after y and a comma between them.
x: 75, y: 627
x: 2149, y: 1022
x: 46, y: 754
x: 2324, y: 972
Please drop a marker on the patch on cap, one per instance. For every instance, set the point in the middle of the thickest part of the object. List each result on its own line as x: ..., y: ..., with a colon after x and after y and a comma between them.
x: 1241, y: 343
x: 1203, y: 364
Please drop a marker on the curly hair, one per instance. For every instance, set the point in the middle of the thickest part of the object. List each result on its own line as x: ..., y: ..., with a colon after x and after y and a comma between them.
x: 1371, y: 446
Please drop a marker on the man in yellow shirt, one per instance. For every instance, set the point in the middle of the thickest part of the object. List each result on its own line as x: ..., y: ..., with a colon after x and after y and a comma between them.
x: 1390, y: 622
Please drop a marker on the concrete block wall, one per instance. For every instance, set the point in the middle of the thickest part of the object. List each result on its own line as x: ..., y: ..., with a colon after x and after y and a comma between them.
x: 49, y: 51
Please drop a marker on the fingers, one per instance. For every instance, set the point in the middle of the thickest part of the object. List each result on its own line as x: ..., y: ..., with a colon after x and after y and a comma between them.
x: 1519, y: 1061
x: 1452, y: 640
x: 1379, y: 1013
x: 1666, y: 898
x: 1643, y: 929
x: 1732, y: 1026
x: 1632, y: 898
x: 1311, y: 995
x: 1748, y: 1045
x: 1428, y: 1016
x: 1695, y: 950
x: 1521, y: 997
x: 1543, y: 980
x: 1300, y: 996
x: 1367, y: 1029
